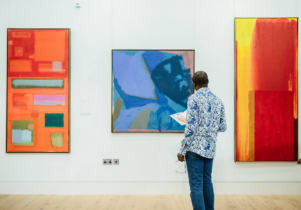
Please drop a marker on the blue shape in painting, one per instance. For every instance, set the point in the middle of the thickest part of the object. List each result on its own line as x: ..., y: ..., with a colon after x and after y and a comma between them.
x: 26, y: 135
x: 130, y: 69
x: 175, y: 83
x: 152, y: 59
x: 17, y: 136
x: 126, y: 117
x: 150, y: 79
x: 134, y: 101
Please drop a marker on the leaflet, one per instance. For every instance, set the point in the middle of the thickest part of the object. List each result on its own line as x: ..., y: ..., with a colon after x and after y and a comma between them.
x: 180, y: 117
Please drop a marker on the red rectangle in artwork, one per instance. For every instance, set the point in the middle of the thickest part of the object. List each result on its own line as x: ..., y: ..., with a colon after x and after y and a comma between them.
x: 30, y: 49
x: 274, y: 126
x: 20, y: 100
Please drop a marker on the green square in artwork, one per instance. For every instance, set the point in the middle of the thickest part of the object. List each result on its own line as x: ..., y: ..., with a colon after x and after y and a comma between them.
x: 54, y: 120
x: 22, y: 132
x: 57, y: 139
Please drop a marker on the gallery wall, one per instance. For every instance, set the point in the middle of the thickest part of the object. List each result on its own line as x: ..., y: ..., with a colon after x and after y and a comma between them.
x: 147, y: 161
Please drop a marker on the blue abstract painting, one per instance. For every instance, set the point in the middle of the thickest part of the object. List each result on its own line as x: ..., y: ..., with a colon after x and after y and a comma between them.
x: 149, y: 86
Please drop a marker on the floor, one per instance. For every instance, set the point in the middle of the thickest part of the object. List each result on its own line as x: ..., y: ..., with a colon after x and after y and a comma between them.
x: 145, y: 202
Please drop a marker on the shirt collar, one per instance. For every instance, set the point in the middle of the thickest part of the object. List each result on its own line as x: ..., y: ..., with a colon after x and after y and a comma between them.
x: 204, y: 90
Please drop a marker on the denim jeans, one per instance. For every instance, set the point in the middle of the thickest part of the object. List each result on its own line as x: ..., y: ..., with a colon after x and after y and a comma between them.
x: 201, y: 188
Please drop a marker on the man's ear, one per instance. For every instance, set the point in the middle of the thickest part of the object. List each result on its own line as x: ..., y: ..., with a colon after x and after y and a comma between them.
x: 208, y: 81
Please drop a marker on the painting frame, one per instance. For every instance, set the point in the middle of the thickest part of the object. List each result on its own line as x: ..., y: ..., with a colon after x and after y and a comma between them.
x: 69, y: 92
x: 235, y: 93
x: 112, y: 88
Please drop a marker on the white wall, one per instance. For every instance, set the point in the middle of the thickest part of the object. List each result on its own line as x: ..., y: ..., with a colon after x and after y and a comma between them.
x: 147, y: 161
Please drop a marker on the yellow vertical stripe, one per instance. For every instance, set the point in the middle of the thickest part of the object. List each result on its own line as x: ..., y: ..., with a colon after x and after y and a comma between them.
x: 243, y: 35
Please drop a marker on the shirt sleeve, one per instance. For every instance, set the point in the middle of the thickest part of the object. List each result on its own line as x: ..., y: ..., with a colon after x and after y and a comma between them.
x: 223, y: 122
x: 192, y: 117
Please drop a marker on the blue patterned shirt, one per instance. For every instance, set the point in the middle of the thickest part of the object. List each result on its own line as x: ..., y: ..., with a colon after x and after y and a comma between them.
x: 205, y: 117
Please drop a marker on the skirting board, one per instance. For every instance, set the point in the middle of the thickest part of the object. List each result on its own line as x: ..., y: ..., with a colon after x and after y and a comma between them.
x: 122, y: 188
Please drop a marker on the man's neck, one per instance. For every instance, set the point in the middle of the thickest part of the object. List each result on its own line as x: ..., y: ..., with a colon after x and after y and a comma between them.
x: 199, y: 87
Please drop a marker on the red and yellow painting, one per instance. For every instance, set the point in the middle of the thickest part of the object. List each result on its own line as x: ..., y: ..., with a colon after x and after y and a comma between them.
x: 37, y: 90
x: 266, y: 89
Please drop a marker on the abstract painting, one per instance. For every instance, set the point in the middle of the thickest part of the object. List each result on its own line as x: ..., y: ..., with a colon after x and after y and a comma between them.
x: 266, y: 89
x: 37, y: 90
x: 149, y: 86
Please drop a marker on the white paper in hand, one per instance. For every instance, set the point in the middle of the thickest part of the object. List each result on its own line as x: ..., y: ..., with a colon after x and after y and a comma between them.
x: 179, y: 117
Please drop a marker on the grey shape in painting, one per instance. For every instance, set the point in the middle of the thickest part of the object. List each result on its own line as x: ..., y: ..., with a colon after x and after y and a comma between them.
x: 37, y: 83
x: 49, y: 103
x: 117, y: 109
x: 56, y: 66
x: 141, y: 119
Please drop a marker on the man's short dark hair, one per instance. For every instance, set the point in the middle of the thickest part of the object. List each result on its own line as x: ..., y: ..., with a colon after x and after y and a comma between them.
x: 200, y: 78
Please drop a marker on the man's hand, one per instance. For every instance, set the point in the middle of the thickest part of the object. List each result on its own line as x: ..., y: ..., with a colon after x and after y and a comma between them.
x: 181, y: 157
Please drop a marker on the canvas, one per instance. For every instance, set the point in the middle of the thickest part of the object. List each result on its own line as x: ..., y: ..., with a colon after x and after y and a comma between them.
x: 266, y: 89
x: 37, y: 90
x: 149, y: 86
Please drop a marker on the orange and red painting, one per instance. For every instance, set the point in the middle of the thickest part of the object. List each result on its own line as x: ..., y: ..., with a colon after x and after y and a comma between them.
x: 266, y: 89
x: 37, y: 90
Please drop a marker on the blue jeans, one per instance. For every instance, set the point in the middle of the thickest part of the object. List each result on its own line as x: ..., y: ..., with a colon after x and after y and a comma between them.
x: 201, y: 188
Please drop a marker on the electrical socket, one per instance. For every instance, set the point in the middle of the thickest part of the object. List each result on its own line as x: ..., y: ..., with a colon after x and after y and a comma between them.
x: 116, y: 161
x: 107, y: 161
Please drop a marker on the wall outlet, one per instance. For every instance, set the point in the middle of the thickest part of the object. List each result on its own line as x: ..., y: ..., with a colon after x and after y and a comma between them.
x: 116, y: 161
x: 107, y: 161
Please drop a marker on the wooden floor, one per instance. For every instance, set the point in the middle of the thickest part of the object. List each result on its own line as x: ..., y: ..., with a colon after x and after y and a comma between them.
x: 145, y: 202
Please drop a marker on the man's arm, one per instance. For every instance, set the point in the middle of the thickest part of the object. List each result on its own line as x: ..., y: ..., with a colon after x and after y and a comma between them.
x: 192, y: 117
x: 223, y: 122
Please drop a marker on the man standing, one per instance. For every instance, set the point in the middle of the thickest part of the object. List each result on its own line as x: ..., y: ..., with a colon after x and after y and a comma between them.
x: 205, y: 117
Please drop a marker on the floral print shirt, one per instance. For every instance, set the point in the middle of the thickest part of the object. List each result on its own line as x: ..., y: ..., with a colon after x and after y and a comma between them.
x: 205, y: 117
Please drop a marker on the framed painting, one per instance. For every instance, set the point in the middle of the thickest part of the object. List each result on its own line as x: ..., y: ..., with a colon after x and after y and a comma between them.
x: 266, y: 89
x: 38, y: 96
x: 147, y: 87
